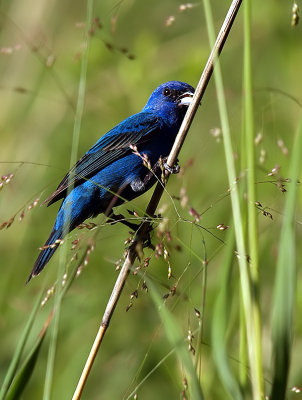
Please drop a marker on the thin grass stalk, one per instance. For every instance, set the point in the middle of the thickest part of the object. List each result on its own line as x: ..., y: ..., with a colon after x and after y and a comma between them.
x: 63, y: 253
x: 243, y: 356
x: 251, y: 191
x: 41, y: 58
x: 25, y: 372
x: 19, y: 349
x: 54, y: 334
x: 136, y: 247
x: 142, y: 381
x: 116, y: 292
x: 221, y: 316
x: 237, y: 217
x: 285, y: 283
x: 82, y: 87
x: 198, y: 356
x: 243, y: 350
x: 175, y: 336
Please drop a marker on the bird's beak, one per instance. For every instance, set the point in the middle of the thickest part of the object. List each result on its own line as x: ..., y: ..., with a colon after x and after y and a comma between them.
x: 185, y: 99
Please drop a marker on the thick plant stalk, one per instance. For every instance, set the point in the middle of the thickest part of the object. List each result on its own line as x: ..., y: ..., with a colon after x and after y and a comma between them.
x: 141, y: 233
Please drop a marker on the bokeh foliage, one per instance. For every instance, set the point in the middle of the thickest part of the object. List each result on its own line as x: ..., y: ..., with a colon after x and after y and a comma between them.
x: 134, y: 48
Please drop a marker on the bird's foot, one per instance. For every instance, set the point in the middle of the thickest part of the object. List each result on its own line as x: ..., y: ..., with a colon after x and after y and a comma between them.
x: 147, y: 240
x: 113, y: 219
x: 137, y: 185
x: 172, y: 170
x: 145, y: 237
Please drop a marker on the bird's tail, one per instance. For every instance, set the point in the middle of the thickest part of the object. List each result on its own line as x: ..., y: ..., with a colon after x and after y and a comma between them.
x: 47, y: 251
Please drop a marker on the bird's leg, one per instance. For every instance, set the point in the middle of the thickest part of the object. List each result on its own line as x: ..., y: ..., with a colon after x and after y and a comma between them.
x: 113, y: 219
x: 157, y: 170
x: 138, y: 185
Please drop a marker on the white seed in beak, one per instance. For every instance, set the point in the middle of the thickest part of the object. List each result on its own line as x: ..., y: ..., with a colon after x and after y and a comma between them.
x: 185, y: 99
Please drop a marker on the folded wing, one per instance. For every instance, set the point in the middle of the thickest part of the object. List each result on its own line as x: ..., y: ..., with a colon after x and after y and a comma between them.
x: 114, y: 145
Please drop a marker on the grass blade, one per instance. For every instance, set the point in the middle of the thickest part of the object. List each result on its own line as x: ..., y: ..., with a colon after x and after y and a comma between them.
x: 219, y: 326
x: 246, y: 286
x: 176, y: 338
x: 251, y: 190
x: 24, y: 374
x: 285, y: 284
x: 20, y: 347
x: 73, y: 158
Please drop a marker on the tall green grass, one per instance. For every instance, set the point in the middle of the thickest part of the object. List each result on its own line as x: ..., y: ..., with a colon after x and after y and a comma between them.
x: 283, y: 311
x: 73, y: 158
x: 249, y: 306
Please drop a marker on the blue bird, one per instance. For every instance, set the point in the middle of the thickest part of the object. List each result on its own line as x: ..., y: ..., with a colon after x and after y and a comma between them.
x: 113, y: 171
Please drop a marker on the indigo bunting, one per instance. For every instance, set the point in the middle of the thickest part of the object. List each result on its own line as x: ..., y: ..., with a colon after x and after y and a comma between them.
x: 113, y: 170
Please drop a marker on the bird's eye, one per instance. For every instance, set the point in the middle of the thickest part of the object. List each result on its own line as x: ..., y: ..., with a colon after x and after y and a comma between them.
x: 167, y: 92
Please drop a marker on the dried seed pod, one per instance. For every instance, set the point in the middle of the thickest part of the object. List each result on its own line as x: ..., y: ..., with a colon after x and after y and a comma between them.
x: 274, y: 171
x: 194, y: 214
x: 134, y: 294
x: 222, y: 227
x: 185, y: 7
x: 282, y: 147
x: 258, y: 138
x: 145, y: 287
x: 21, y: 216
x: 173, y: 290
x: 49, y: 293
x: 9, y: 222
x: 184, y: 199
x: 197, y: 313
x: 295, y: 15
x: 170, y: 20
x: 216, y: 133
x: 3, y: 225
x: 262, y: 157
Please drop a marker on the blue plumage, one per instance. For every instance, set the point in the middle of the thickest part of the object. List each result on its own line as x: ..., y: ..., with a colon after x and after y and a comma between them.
x: 111, y: 166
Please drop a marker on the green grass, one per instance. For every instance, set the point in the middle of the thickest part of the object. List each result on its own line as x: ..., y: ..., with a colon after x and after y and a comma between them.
x: 243, y: 313
x: 285, y: 281
x: 63, y: 255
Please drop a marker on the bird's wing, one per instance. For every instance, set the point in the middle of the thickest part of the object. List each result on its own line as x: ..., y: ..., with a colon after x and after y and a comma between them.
x: 112, y: 146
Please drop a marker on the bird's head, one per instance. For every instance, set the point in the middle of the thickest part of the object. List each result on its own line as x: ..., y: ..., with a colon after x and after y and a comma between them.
x: 170, y: 101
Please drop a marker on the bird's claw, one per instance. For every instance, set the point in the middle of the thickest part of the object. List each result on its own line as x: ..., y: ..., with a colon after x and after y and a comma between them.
x: 145, y: 236
x: 147, y: 241
x: 113, y: 219
x: 172, y: 170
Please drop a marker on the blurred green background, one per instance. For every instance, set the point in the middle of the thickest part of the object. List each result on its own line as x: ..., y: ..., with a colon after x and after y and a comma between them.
x: 134, y: 47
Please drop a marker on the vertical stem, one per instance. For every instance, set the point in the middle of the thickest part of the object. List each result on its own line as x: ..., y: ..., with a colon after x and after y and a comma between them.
x: 285, y: 281
x: 202, y: 312
x: 243, y: 371
x: 246, y: 287
x: 251, y: 189
x: 73, y: 158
